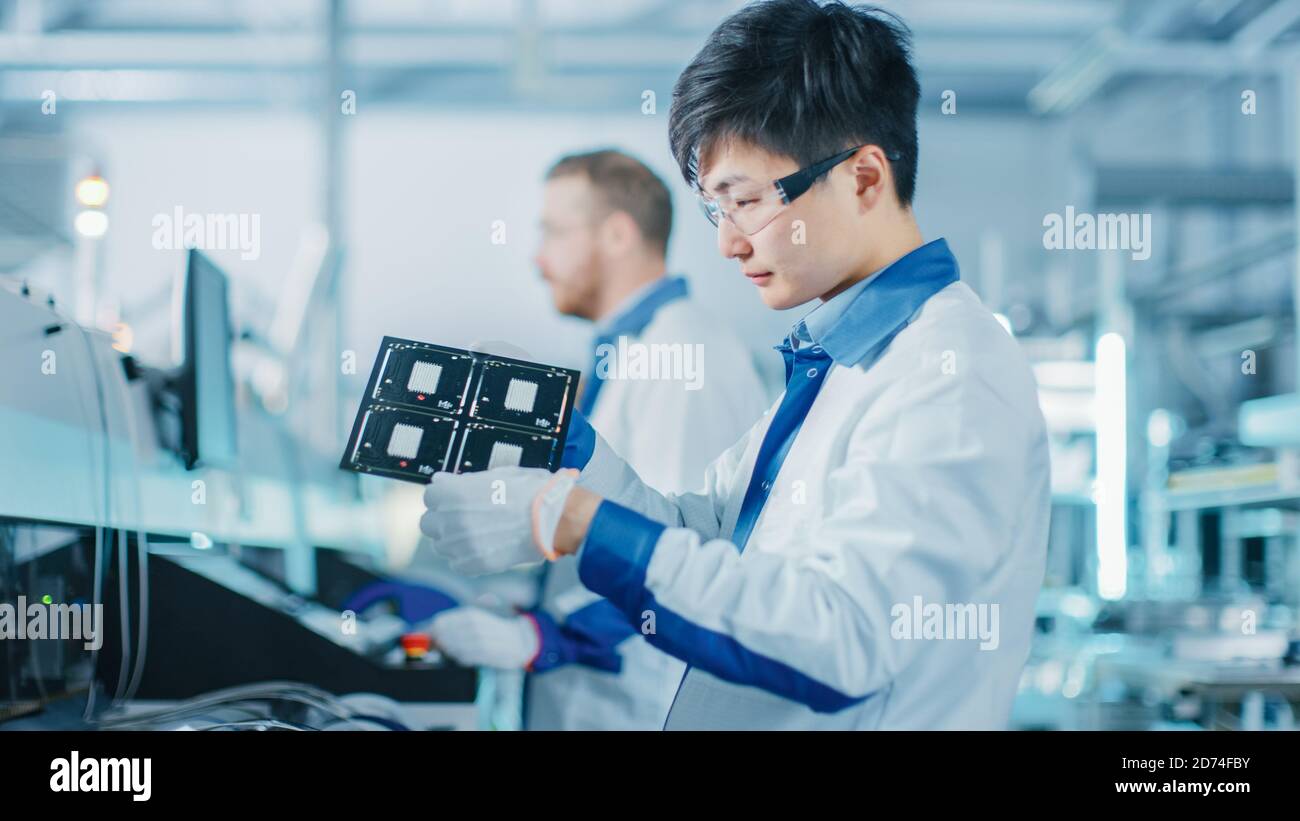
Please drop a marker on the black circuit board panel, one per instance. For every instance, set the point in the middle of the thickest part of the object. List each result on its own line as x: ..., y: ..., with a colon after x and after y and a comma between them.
x: 430, y: 408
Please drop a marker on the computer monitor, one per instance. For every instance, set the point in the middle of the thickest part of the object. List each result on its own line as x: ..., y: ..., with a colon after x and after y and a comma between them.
x: 204, y: 380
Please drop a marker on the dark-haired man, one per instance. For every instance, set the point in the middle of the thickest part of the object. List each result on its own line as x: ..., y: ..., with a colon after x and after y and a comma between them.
x: 869, y: 555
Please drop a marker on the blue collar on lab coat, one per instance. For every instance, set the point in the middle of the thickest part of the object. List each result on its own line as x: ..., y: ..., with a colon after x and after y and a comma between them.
x: 865, y: 316
x: 641, y: 307
x: 630, y: 321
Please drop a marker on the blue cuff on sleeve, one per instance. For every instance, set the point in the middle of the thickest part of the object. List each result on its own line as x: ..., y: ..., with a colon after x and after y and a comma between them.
x: 580, y: 442
x: 613, y: 562
x: 616, y: 553
x: 588, y: 637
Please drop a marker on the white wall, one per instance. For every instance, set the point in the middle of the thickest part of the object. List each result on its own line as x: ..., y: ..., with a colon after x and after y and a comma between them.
x: 205, y: 161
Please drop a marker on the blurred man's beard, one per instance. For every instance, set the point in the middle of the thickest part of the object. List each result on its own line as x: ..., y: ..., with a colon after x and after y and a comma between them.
x: 582, y: 296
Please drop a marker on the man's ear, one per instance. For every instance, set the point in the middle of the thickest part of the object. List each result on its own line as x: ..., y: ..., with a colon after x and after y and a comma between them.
x: 619, y: 233
x: 871, y: 175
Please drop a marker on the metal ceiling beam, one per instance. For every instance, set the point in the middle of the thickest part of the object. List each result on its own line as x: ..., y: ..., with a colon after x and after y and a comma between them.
x: 925, y: 17
x: 1112, y: 53
x: 1179, y: 185
x: 1271, y: 23
x: 240, y: 51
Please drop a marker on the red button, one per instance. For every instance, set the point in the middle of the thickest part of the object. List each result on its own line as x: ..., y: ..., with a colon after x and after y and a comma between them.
x: 415, y: 644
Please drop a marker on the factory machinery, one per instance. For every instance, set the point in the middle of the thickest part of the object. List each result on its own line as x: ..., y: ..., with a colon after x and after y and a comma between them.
x: 1172, y: 598
x: 214, y: 548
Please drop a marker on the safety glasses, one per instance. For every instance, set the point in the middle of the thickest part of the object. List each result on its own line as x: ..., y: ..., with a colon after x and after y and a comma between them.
x: 753, y: 210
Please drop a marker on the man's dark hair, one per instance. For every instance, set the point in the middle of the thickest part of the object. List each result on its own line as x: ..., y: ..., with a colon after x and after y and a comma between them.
x: 802, y: 80
x: 624, y: 183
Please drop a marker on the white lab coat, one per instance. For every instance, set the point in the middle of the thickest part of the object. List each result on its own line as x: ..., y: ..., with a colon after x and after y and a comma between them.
x: 670, y: 434
x: 921, y: 473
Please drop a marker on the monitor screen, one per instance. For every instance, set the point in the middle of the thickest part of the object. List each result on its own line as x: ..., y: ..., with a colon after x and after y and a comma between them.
x: 207, y: 385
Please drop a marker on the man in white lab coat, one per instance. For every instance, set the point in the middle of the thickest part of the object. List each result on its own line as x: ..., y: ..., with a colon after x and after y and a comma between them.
x: 869, y: 555
x: 668, y: 387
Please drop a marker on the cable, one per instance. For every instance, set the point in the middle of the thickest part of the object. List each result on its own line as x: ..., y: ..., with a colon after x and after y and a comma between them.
x: 8, y: 577
x: 35, y: 657
x: 124, y: 607
x: 383, y: 721
x: 108, y: 499
x: 153, y: 718
x: 142, y: 544
x: 274, y: 690
x: 96, y: 595
x: 259, y: 724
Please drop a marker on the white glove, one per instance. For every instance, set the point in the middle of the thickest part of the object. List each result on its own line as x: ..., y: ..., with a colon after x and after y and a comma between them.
x: 477, y: 638
x: 493, y: 520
